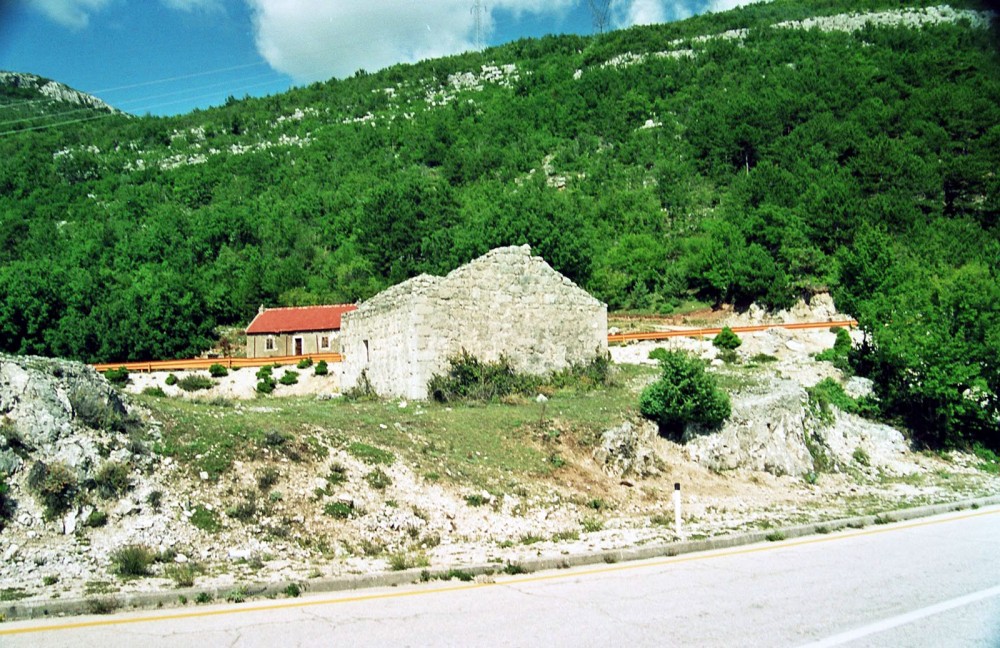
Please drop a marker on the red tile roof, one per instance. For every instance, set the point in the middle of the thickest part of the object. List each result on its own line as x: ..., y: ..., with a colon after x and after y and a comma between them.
x: 303, y: 318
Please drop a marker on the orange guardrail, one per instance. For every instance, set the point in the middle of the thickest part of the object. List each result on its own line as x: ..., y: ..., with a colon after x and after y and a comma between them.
x: 662, y: 335
x: 205, y: 363
x: 229, y: 363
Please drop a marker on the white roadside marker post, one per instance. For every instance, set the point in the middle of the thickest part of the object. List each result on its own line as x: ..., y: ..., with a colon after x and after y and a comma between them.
x: 677, y: 509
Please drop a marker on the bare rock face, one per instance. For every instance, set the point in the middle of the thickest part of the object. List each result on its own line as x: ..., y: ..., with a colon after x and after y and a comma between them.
x: 766, y: 432
x: 628, y: 450
x: 45, y: 404
x: 867, y: 445
x: 61, y: 416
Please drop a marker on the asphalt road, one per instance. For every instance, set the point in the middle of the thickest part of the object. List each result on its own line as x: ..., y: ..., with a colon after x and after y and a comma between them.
x: 933, y: 582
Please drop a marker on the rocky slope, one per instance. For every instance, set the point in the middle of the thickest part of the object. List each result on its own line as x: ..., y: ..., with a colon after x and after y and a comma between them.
x: 35, y: 88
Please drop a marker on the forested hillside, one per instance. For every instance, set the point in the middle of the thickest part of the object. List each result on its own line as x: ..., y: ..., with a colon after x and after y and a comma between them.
x: 753, y: 155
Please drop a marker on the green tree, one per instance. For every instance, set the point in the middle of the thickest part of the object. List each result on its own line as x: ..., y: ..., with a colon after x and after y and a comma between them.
x: 684, y: 394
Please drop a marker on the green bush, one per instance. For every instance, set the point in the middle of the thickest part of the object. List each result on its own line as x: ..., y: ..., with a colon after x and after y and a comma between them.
x: 7, y: 503
x: 245, y: 508
x: 104, y: 413
x: 55, y: 486
x: 111, y: 479
x: 289, y: 377
x: 155, y: 390
x: 117, y: 376
x: 195, y: 382
x: 839, y: 354
x: 684, y: 394
x: 96, y: 519
x: 131, y: 561
x: 304, y: 363
x: 727, y: 340
x: 170, y: 380
x: 597, y: 372
x: 267, y: 478
x: 263, y: 372
x: 321, y: 368
x: 659, y: 353
x: 266, y: 385
x: 468, y: 378
x: 217, y: 371
x: 339, y: 510
x: 829, y: 392
x: 378, y: 480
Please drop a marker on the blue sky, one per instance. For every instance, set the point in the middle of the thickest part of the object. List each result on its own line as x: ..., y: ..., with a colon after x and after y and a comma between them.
x: 166, y: 57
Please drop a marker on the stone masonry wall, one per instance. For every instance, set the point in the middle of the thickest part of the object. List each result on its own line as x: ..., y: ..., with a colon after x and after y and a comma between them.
x: 505, y: 302
x: 386, y: 338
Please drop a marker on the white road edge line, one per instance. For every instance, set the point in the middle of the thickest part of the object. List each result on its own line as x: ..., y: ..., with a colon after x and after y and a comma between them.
x: 903, y: 619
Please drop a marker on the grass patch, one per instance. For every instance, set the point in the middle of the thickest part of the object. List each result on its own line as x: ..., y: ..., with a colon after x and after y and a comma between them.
x: 102, y: 605
x: 13, y: 594
x: 205, y: 519
x: 339, y: 510
x: 401, y: 560
x: 195, y: 382
x: 132, y: 561
x: 370, y: 454
x: 378, y: 480
x: 775, y: 536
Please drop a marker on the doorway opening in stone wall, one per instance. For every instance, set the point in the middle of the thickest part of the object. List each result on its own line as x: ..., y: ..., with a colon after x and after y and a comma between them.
x: 297, y: 343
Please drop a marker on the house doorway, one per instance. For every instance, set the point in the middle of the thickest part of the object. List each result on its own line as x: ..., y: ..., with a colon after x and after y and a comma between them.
x: 297, y: 345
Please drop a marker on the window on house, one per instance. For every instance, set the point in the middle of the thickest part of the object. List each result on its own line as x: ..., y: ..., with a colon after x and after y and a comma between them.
x: 324, y: 341
x: 269, y: 344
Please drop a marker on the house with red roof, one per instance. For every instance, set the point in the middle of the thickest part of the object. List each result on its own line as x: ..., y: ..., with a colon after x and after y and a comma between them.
x: 302, y: 330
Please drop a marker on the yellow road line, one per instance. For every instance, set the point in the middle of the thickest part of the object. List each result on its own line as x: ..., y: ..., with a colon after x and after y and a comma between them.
x: 721, y: 553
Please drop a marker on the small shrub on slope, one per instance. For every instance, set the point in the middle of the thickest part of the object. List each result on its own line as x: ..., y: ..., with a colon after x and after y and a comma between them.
x: 684, y: 394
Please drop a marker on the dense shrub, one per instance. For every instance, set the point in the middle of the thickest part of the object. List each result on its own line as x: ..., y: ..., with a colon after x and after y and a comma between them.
x: 363, y: 390
x: 195, y: 382
x: 289, y: 377
x: 304, y: 363
x: 598, y: 372
x: 839, y: 354
x: 55, y: 485
x: 727, y: 340
x: 131, y: 561
x: 266, y: 385
x: 684, y: 394
x: 170, y: 380
x: 218, y: 371
x: 98, y: 412
x: 321, y: 368
x: 828, y: 392
x: 111, y: 479
x: 659, y: 353
x: 155, y: 390
x: 7, y: 503
x: 468, y: 378
x: 117, y: 376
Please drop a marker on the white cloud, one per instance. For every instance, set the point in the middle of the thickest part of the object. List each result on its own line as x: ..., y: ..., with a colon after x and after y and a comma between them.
x: 644, y: 12
x: 74, y: 14
x: 648, y: 12
x: 725, y: 5
x: 315, y: 39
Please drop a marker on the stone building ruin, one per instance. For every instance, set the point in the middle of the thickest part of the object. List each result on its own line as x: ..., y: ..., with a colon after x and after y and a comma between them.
x: 505, y: 302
